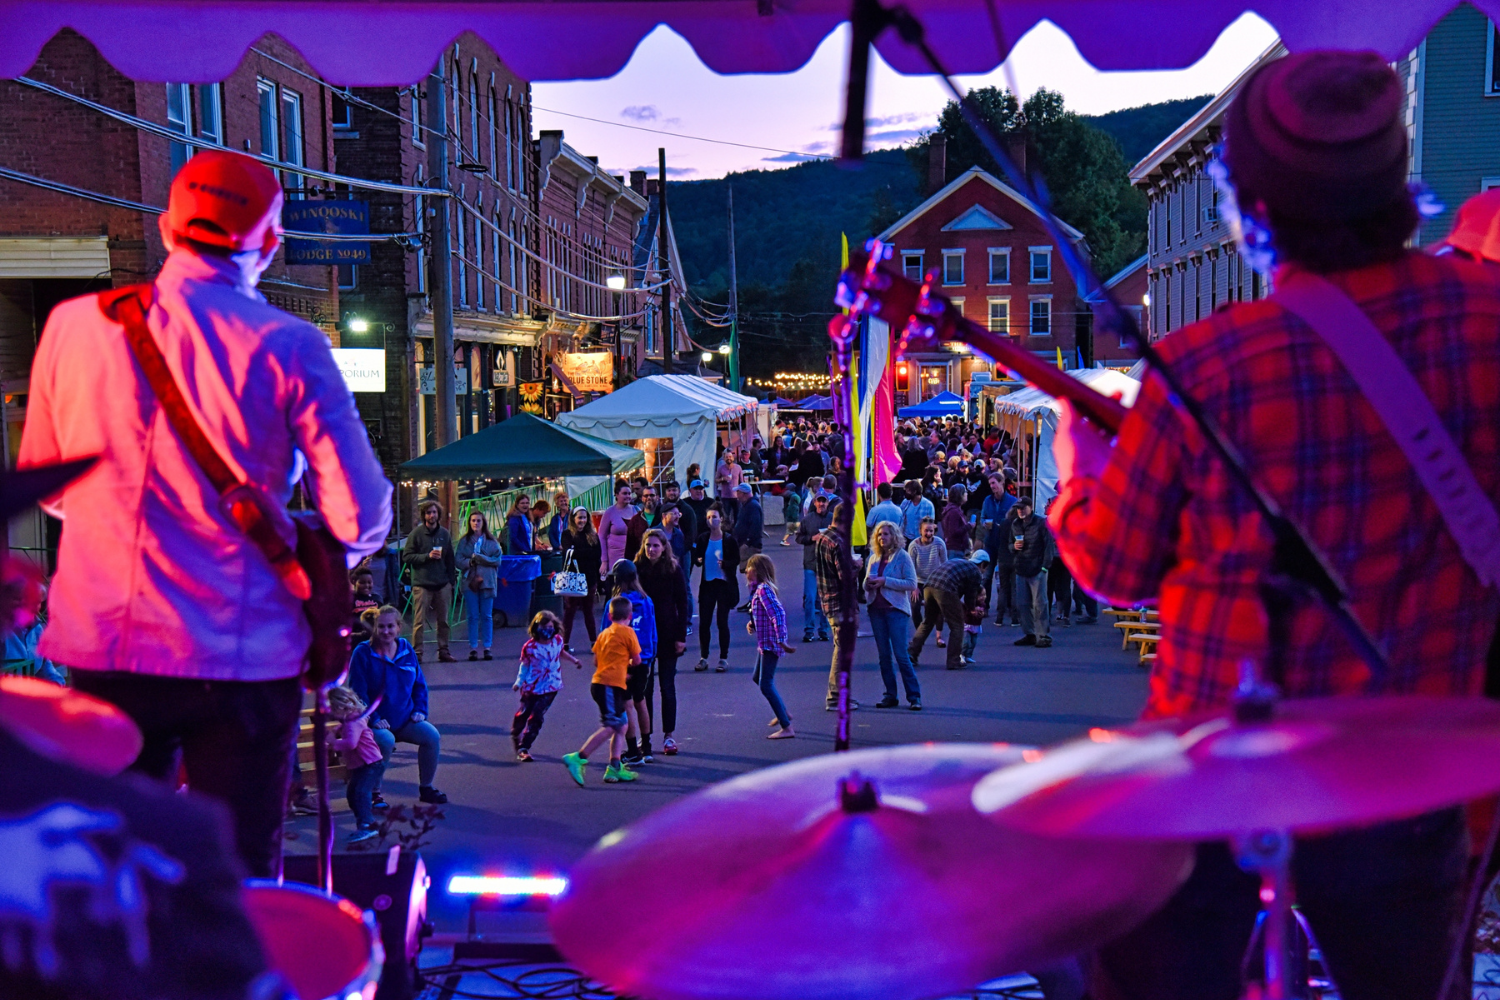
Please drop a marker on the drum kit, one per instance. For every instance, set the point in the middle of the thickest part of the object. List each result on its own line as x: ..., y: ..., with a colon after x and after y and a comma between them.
x: 923, y: 871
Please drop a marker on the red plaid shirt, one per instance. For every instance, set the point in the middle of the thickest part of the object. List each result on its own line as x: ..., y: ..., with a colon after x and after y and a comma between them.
x: 1163, y: 522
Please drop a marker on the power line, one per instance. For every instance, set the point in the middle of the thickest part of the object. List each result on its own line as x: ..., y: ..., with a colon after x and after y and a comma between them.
x: 194, y: 141
x: 136, y: 206
x: 680, y: 135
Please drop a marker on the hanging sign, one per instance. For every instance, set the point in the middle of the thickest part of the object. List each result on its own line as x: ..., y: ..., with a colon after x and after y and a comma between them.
x: 346, y: 218
x: 363, y: 368
x: 427, y: 380
x: 591, y: 372
x: 531, y: 397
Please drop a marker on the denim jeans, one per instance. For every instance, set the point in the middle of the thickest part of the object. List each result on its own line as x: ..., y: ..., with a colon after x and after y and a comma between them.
x: 428, y: 743
x: 1031, y: 592
x: 481, y: 608
x: 890, y: 627
x: 765, y: 678
x: 813, y: 618
x: 362, y: 784
x: 235, y: 738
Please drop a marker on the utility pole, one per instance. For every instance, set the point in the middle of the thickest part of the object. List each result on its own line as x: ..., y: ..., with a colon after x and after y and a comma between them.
x: 664, y: 248
x: 734, y: 306
x: 440, y: 283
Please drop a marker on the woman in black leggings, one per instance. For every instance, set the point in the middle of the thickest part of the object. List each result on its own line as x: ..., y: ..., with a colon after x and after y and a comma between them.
x: 663, y: 582
x: 719, y: 588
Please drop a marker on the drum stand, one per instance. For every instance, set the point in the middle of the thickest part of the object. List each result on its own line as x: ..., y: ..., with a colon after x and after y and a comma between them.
x: 1268, y: 853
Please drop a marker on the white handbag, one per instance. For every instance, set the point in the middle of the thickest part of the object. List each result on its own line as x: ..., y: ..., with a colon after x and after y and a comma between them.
x: 568, y: 582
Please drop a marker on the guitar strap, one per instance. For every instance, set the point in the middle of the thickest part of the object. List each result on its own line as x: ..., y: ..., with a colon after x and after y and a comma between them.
x: 1407, y: 413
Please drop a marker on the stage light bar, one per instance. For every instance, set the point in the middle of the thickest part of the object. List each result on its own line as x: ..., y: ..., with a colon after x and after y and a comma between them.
x: 494, y: 885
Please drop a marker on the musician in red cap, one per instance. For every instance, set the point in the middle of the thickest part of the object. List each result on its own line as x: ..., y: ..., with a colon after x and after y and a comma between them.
x: 1316, y: 158
x: 161, y: 603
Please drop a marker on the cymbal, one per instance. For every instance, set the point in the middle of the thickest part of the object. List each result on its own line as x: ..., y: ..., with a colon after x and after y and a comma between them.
x: 1317, y: 764
x: 69, y: 725
x: 766, y: 887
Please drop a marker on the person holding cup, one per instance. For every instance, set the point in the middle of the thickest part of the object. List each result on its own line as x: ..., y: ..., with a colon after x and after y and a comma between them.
x: 434, y: 571
x: 1032, y: 549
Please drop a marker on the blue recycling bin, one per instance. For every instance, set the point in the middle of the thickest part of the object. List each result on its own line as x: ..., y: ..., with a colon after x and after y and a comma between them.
x: 514, y: 581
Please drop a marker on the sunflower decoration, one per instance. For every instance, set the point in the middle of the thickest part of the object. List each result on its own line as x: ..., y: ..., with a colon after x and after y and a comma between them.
x: 531, y: 397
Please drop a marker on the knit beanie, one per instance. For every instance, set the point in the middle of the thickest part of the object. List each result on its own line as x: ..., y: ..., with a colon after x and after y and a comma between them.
x: 1318, y: 136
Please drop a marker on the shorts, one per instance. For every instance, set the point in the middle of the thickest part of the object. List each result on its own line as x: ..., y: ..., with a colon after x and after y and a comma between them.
x: 611, y: 702
x: 638, y: 679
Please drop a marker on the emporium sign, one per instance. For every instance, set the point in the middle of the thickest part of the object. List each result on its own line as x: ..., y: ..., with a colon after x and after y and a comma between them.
x: 363, y: 368
x: 591, y: 372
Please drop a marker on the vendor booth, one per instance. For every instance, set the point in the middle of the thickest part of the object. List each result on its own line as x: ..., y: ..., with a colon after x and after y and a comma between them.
x: 675, y: 417
x: 1030, y: 416
x: 944, y: 404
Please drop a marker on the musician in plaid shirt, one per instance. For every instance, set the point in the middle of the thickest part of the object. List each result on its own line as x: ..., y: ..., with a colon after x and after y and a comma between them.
x: 1316, y: 153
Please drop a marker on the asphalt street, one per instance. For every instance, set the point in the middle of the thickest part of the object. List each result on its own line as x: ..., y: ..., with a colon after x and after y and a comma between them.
x: 512, y: 818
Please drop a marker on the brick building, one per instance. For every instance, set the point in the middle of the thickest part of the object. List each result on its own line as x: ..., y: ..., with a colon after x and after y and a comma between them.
x: 1130, y: 287
x: 55, y: 245
x: 996, y: 260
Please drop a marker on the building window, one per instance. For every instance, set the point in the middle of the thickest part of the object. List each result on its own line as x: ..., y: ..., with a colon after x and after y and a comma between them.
x: 1491, y: 64
x: 180, y: 120
x: 515, y: 283
x: 953, y: 267
x: 999, y: 265
x: 454, y: 98
x: 343, y: 114
x: 463, y: 267
x: 348, y: 276
x: 494, y: 146
x: 522, y: 131
x: 1041, y: 316
x: 1041, y: 265
x: 958, y: 305
x: 911, y: 266
x: 420, y: 214
x: 474, y: 118
x: 1000, y: 316
x: 270, y: 119
x: 479, y: 254
x: 417, y: 111
x: 211, y: 112
x: 291, y: 128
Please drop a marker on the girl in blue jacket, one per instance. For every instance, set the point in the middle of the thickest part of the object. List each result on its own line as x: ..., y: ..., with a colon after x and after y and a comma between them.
x: 640, y: 681
x: 386, y: 667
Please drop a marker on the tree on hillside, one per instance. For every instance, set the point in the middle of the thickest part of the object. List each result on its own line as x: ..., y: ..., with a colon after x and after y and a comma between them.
x: 1082, y: 167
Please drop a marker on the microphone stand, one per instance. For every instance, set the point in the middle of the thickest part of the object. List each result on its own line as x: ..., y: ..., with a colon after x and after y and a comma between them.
x: 1297, y: 568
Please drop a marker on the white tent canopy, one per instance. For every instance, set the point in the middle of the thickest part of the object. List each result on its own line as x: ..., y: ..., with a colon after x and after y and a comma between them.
x: 1032, y: 403
x: 685, y: 408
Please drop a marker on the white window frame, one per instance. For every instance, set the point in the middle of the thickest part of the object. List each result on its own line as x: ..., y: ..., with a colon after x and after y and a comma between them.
x: 494, y: 146
x: 211, y: 96
x: 1490, y: 88
x: 958, y: 304
x: 495, y: 262
x: 263, y: 88
x: 180, y: 121
x: 417, y: 138
x: 463, y: 267
x: 1031, y: 255
x: 1485, y: 183
x: 515, y: 284
x: 906, y: 259
x: 999, y: 252
x: 420, y: 215
x: 953, y: 252
x: 479, y: 254
x: 474, y: 116
x: 993, y: 301
x: 523, y: 133
x: 455, y: 79
x: 1031, y: 305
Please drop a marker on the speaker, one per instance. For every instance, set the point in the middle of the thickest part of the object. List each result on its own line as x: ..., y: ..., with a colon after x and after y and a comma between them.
x: 395, y: 890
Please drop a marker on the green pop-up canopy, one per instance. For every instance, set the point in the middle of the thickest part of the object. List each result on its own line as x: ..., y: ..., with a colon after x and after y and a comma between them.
x: 525, y: 445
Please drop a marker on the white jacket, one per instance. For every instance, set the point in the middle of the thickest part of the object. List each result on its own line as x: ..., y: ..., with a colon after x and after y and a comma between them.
x: 151, y: 577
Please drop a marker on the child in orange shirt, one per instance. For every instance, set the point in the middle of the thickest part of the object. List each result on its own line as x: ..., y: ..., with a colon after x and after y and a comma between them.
x: 615, y: 652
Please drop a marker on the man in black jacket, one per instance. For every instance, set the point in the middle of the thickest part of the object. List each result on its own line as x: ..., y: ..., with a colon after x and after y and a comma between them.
x: 749, y: 527
x: 434, y: 571
x: 1031, y: 545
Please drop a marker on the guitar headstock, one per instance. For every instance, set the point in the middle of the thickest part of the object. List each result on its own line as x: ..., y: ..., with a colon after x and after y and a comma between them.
x: 923, y: 317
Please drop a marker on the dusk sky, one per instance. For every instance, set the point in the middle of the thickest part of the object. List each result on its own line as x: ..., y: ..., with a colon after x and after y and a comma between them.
x: 666, y: 87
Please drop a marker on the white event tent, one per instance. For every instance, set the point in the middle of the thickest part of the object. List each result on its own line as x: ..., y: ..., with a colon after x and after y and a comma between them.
x: 685, y: 408
x: 1031, y: 417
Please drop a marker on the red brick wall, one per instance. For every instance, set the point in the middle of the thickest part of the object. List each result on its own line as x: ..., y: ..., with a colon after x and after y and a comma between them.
x: 1128, y: 293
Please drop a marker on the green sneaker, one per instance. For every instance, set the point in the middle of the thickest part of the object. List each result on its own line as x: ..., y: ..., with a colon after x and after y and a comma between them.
x: 575, y: 765
x: 619, y: 772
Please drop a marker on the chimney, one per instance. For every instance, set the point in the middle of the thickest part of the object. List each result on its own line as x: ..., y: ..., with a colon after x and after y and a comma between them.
x: 1015, y: 148
x: 638, y: 182
x: 650, y: 189
x: 937, y: 162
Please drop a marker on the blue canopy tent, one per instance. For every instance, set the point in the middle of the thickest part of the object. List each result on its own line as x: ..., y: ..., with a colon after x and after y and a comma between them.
x: 782, y: 401
x: 816, y: 403
x: 944, y: 404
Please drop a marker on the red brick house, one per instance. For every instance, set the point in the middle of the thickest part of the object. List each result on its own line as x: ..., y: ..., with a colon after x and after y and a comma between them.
x: 995, y: 258
x: 1130, y: 287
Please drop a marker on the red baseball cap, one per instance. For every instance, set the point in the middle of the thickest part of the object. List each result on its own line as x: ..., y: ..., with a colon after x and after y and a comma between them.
x: 1476, y: 229
x: 226, y: 200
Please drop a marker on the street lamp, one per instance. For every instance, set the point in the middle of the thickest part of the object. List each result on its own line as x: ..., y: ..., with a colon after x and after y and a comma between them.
x: 615, y: 282
x: 724, y: 349
x: 707, y: 357
x: 357, y: 325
